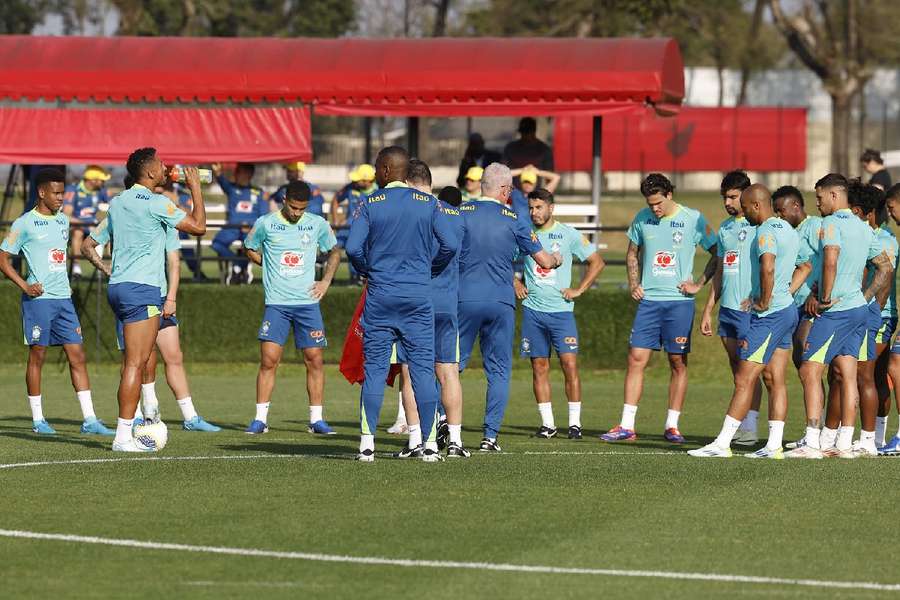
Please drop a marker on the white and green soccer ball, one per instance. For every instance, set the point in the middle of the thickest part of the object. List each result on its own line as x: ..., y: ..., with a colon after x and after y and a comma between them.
x: 155, y: 434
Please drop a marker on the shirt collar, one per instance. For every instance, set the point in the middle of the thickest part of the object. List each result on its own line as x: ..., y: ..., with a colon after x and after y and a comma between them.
x: 489, y: 199
x: 396, y: 184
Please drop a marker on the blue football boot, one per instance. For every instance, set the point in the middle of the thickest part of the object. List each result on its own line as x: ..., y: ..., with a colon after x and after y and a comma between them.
x: 94, y: 426
x: 198, y: 424
x: 320, y: 427
x: 42, y: 427
x: 256, y: 427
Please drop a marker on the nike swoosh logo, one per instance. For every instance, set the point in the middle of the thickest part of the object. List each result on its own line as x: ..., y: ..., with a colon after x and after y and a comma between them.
x: 40, y: 237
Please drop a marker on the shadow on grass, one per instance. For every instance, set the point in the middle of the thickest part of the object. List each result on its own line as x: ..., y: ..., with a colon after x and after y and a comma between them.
x: 327, y: 451
x: 99, y: 442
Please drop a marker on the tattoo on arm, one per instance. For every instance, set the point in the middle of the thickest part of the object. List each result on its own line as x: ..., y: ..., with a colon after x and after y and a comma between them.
x: 711, y: 265
x: 633, y: 265
x: 880, y: 286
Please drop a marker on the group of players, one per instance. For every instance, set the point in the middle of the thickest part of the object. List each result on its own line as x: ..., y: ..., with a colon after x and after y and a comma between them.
x: 440, y: 273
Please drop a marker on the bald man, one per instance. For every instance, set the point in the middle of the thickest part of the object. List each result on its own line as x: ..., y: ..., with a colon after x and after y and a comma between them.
x: 398, y: 240
x: 777, y: 271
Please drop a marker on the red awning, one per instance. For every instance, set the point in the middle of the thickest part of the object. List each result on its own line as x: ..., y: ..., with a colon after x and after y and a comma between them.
x: 438, y: 76
x: 697, y: 139
x: 183, y: 135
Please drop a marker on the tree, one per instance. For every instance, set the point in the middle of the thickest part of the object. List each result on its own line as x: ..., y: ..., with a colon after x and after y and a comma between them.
x: 20, y: 16
x: 825, y: 36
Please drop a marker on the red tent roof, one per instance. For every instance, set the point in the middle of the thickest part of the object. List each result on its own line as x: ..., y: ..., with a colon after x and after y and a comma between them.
x: 437, y: 76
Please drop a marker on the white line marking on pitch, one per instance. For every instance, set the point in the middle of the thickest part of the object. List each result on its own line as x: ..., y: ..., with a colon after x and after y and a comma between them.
x: 444, y: 564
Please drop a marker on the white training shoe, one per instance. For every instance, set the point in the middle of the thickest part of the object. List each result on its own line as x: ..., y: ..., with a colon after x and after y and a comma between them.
x: 798, y: 444
x: 142, y: 444
x: 712, y: 450
x: 745, y: 437
x: 398, y: 428
x: 766, y: 452
x: 366, y: 456
x: 804, y: 452
x: 858, y: 451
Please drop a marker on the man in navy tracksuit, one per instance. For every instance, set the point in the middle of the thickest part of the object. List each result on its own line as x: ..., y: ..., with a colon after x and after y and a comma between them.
x: 492, y: 236
x: 398, y: 241
x: 246, y: 203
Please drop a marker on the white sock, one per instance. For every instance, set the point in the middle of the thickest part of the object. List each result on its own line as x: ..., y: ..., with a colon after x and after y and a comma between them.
x: 672, y: 418
x: 867, y: 439
x: 574, y: 414
x: 366, y: 442
x: 827, y: 438
x: 546, y: 410
x: 628, y: 412
x: 262, y: 412
x: 812, y: 437
x: 76, y: 267
x: 236, y: 269
x: 149, y: 401
x: 401, y: 414
x: 880, y: 430
x: 749, y: 422
x: 87, y: 405
x: 431, y: 446
x: 315, y: 414
x: 138, y: 413
x: 776, y: 434
x: 37, y: 413
x: 123, y: 430
x: 187, y: 408
x: 845, y: 438
x: 729, y: 428
x: 455, y: 434
x: 415, y: 435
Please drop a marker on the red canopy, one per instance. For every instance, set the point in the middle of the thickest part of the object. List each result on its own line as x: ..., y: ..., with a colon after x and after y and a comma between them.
x: 697, y: 139
x: 183, y: 135
x: 438, y: 76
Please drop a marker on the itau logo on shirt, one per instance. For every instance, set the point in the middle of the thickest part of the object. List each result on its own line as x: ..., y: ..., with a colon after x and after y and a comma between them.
x: 291, y: 263
x: 56, y: 260
x: 664, y: 263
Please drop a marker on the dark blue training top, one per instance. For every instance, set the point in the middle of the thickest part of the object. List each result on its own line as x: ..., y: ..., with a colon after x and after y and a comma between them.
x: 245, y: 203
x: 445, y: 287
x: 399, y: 240
x: 491, y: 235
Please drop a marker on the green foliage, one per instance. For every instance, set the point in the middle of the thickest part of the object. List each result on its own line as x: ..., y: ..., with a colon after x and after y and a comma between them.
x: 19, y: 16
x: 219, y: 325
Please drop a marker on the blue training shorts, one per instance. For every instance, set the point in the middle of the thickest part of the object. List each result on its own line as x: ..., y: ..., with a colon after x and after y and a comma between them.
x: 663, y: 324
x: 873, y: 325
x: 733, y: 323
x: 840, y: 333
x: 50, y: 322
x: 886, y: 331
x: 164, y: 322
x: 305, y: 319
x: 541, y: 329
x: 766, y: 334
x: 133, y: 302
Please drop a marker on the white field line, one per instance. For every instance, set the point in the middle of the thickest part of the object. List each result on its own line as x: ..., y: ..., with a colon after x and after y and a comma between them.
x: 442, y: 564
x: 91, y: 461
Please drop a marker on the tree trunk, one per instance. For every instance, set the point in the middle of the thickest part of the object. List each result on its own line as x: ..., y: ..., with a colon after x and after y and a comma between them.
x: 720, y: 71
x: 840, y: 132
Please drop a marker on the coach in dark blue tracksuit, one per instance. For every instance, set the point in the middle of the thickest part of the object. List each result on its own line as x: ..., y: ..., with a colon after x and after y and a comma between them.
x: 492, y: 235
x: 399, y: 240
x: 246, y: 203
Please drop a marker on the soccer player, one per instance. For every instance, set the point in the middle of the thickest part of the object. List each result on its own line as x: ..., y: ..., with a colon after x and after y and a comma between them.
x: 472, y: 189
x: 548, y: 304
x: 840, y: 311
x: 446, y: 335
x: 80, y: 203
x: 487, y: 301
x: 167, y: 339
x: 766, y: 348
x: 666, y: 233
x: 731, y: 286
x: 48, y: 315
x: 137, y: 222
x: 346, y: 202
x: 246, y: 203
x: 285, y: 244
x: 398, y: 241
x: 294, y: 172
x: 892, y: 447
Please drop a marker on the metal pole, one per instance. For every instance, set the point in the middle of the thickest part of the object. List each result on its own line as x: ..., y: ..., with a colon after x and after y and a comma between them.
x: 596, y: 172
x: 99, y: 313
x: 412, y: 133
x: 367, y: 132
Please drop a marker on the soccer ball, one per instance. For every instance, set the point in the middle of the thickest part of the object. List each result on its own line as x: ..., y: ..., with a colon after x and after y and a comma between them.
x: 153, y: 433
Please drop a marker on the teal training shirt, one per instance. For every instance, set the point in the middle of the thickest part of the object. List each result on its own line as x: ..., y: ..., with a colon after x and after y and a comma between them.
x: 137, y: 222
x: 545, y: 285
x: 736, y: 236
x: 101, y: 236
x: 668, y: 246
x: 776, y: 236
x: 888, y: 242
x: 808, y: 232
x: 43, y: 240
x: 858, y: 244
x: 289, y: 253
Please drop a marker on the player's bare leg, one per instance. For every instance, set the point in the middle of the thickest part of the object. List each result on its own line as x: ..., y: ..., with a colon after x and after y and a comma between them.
x: 746, y: 435
x: 140, y: 338
x: 414, y: 446
x: 832, y: 420
x: 269, y: 358
x: 847, y: 366
x: 540, y: 379
x: 169, y: 345
x: 893, y: 446
x: 569, y: 363
x: 77, y: 237
x: 799, y: 341
x: 82, y: 385
x: 634, y: 387
x: 678, y: 382
x: 313, y: 358
x: 451, y: 397
x: 883, y: 390
x: 813, y: 399
x: 36, y: 356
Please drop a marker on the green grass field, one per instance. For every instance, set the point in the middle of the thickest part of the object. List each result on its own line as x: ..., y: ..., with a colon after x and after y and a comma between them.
x: 645, y: 507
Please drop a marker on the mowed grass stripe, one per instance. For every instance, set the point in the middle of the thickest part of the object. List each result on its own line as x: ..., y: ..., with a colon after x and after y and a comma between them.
x: 441, y: 564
